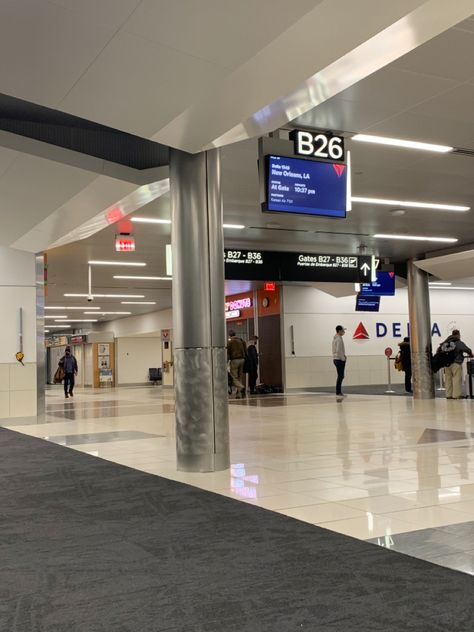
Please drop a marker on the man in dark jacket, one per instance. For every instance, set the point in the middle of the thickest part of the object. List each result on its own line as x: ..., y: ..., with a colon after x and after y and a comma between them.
x: 236, y: 354
x: 405, y: 357
x: 453, y: 372
x: 69, y: 363
x: 252, y: 359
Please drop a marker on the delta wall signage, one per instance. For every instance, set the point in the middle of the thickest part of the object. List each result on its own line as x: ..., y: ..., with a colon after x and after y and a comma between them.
x: 393, y: 330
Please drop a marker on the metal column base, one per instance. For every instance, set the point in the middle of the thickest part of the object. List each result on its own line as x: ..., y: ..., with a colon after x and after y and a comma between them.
x: 202, y: 441
x: 423, y: 383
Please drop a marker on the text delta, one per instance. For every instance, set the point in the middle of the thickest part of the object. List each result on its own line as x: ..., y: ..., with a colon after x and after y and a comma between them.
x: 381, y: 330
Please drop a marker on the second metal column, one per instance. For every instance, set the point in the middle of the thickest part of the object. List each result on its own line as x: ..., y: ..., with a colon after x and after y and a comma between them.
x: 420, y: 332
x: 200, y: 356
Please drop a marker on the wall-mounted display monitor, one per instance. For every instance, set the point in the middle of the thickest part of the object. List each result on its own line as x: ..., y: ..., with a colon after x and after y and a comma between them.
x: 383, y: 286
x: 367, y: 303
x: 309, y: 187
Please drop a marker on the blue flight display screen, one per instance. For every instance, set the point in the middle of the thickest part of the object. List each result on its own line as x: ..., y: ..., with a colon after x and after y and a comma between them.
x: 367, y: 303
x: 295, y: 185
x: 383, y: 286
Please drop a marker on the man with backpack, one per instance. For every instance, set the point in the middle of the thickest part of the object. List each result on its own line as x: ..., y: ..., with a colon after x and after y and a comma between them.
x: 454, y: 346
x: 236, y: 355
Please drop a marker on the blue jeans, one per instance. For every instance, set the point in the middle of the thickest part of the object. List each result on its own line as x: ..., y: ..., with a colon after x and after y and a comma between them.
x: 68, y: 383
x: 340, y: 368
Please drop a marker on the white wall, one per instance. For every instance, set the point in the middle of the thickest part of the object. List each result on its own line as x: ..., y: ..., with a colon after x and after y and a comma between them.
x: 135, y: 356
x: 151, y: 323
x: 315, y: 314
x: 17, y: 289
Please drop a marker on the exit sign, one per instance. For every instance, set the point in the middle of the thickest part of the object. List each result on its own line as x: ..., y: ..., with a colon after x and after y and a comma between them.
x: 124, y: 244
x: 269, y: 286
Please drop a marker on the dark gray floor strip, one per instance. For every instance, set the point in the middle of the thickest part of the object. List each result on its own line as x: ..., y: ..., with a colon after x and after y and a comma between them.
x: 88, y: 545
x: 101, y: 437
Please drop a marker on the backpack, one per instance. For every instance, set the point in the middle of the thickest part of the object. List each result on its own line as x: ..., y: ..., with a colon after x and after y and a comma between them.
x: 444, y: 356
x: 398, y: 362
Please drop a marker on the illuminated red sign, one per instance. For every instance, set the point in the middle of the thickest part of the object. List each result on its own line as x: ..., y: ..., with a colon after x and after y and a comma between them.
x: 124, y: 244
x: 269, y: 286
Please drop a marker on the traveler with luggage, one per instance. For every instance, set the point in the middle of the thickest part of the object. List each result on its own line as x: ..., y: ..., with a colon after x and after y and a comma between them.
x: 236, y: 354
x: 69, y: 365
x: 453, y: 349
x: 404, y: 356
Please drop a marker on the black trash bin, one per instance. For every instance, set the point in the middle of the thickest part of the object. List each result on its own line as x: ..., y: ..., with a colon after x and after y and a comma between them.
x: 470, y: 374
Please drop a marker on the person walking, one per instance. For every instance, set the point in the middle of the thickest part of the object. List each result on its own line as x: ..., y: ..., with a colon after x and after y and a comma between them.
x: 236, y: 354
x: 339, y: 358
x: 252, y: 359
x: 69, y: 364
x: 405, y: 357
x: 453, y: 372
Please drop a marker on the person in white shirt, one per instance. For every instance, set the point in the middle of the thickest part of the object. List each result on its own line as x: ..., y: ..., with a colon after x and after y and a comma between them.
x: 339, y: 357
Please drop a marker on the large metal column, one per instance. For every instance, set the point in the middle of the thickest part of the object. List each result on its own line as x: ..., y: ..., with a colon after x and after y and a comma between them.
x: 40, y: 349
x: 200, y: 357
x: 420, y: 332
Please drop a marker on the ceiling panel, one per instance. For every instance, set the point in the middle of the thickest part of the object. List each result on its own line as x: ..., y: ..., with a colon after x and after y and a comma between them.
x: 138, y: 85
x: 216, y: 30
x: 45, y: 48
x: 111, y: 13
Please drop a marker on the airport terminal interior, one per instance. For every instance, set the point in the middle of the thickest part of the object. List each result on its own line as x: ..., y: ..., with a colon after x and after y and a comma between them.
x: 237, y: 325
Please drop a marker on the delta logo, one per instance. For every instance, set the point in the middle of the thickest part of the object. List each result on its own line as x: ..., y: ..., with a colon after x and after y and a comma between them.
x: 361, y: 333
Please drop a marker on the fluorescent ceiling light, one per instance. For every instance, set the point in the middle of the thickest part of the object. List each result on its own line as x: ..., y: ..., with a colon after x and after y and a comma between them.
x: 138, y: 302
x: 79, y: 320
x: 56, y: 316
x: 116, y: 263
x: 438, y: 283
x: 83, y: 307
x: 107, y: 313
x: 400, y: 142
x: 452, y: 287
x: 142, y: 278
x: 237, y: 226
x: 407, y: 204
x: 151, y: 220
x: 107, y: 295
x: 46, y: 331
x: 59, y: 326
x: 448, y: 240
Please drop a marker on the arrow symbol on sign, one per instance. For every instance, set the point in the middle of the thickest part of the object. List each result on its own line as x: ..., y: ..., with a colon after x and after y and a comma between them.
x: 365, y: 268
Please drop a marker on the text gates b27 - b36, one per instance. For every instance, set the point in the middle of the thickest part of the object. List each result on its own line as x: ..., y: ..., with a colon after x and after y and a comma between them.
x: 265, y: 265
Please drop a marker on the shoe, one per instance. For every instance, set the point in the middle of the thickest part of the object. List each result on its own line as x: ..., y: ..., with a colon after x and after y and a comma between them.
x: 449, y: 397
x: 66, y: 396
x: 70, y: 394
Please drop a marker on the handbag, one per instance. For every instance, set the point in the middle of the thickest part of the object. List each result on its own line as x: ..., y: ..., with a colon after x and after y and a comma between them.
x: 59, y: 375
x: 398, y: 363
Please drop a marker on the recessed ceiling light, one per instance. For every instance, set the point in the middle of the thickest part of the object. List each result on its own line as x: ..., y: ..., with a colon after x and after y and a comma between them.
x: 106, y: 295
x: 56, y: 316
x: 59, y: 326
x: 138, y: 302
x: 79, y: 320
x: 407, y: 204
x: 453, y: 287
x: 116, y: 263
x: 79, y: 308
x: 107, y: 313
x: 448, y: 240
x: 142, y: 278
x: 151, y: 220
x: 438, y: 283
x: 400, y: 142
x: 237, y: 226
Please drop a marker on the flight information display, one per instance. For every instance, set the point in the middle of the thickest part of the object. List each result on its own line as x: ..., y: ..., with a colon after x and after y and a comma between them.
x: 310, y: 187
x: 367, y: 303
x: 383, y: 286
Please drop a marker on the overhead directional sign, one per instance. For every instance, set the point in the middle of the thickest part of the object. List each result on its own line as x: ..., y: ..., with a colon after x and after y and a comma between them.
x: 259, y: 265
x: 367, y: 268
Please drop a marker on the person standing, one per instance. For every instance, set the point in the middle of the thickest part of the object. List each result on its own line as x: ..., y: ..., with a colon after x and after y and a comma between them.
x: 252, y: 359
x: 405, y: 357
x: 339, y: 358
x: 453, y: 372
x: 236, y: 354
x: 69, y: 364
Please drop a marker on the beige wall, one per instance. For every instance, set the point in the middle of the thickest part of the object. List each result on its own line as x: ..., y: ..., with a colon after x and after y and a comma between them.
x: 135, y: 356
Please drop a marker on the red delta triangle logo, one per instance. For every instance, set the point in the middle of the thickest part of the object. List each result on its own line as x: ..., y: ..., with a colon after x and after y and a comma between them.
x: 361, y: 333
x: 339, y: 169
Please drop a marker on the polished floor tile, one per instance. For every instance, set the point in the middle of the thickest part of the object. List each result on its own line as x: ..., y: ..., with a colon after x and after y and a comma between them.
x: 372, y: 467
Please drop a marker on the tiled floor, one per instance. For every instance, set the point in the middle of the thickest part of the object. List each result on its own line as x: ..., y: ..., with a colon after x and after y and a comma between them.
x: 391, y: 470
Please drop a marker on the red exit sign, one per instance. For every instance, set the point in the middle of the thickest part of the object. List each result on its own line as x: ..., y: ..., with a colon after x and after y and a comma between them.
x: 124, y: 244
x: 269, y: 286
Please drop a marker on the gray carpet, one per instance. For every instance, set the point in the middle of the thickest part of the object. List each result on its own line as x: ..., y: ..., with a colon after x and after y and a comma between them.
x: 90, y: 546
